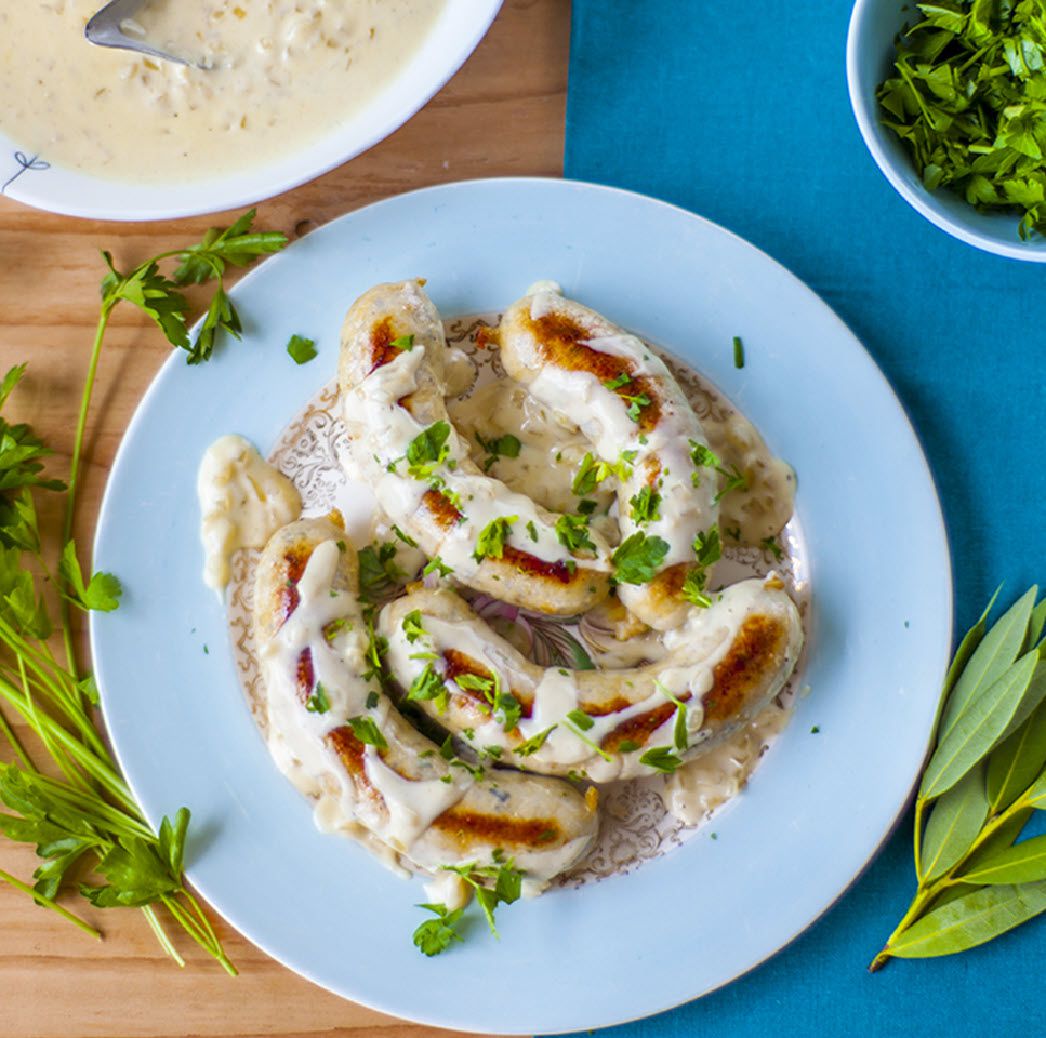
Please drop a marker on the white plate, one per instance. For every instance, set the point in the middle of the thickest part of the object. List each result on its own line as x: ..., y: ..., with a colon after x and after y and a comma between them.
x: 32, y: 179
x: 818, y: 807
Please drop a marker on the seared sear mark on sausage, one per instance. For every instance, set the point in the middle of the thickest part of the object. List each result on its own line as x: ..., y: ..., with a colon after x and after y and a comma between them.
x: 651, y: 470
x: 613, y: 706
x: 638, y: 729
x: 459, y: 663
x: 441, y: 509
x: 305, y: 675
x: 558, y: 572
x: 669, y: 582
x: 295, y: 561
x: 382, y: 351
x: 351, y: 752
x: 564, y: 343
x: 755, y: 651
x: 500, y: 830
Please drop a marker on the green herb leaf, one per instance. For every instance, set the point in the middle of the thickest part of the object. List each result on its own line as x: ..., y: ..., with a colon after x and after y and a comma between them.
x: 979, y: 729
x: 101, y: 593
x: 661, y: 758
x: 531, y: 746
x: 621, y: 380
x: 739, y: 352
x: 437, y: 565
x: 1024, y: 862
x: 435, y: 936
x: 581, y: 719
x: 237, y: 246
x: 1016, y: 762
x: 506, y: 446
x: 638, y: 558
x: 318, y: 702
x: 970, y: 920
x: 403, y: 342
x: 428, y: 450
x: 572, y: 532
x: 428, y: 686
x: 646, y: 506
x: 301, y: 350
x: 366, y: 730
x: 954, y: 824
x: 413, y: 627
x: 491, y: 541
x: 379, y: 573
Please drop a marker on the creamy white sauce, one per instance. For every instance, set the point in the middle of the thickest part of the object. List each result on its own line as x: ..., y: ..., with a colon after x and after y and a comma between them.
x: 380, y: 457
x: 243, y: 501
x: 281, y: 74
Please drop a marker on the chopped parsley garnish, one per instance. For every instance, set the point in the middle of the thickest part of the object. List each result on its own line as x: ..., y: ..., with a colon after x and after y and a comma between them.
x: 693, y: 589
x: 501, y: 701
x: 680, y: 733
x: 437, y: 565
x: 377, y: 646
x: 403, y: 342
x: 627, y: 746
x: 586, y: 506
x: 592, y: 472
x: 428, y: 687
x: 506, y: 446
x: 405, y: 538
x: 581, y: 719
x: 638, y: 558
x: 704, y: 457
x: 378, y: 570
x: 661, y: 758
x: 532, y: 531
x: 616, y: 383
x: 368, y: 732
x: 635, y: 404
x: 373, y: 699
x: 301, y: 350
x: 735, y: 480
x: 318, y: 702
x: 646, y: 506
x: 412, y: 626
x: 771, y: 545
x: 428, y: 450
x: 436, y: 935
x: 739, y: 352
x: 707, y: 547
x: 335, y: 627
x: 534, y: 743
x: 572, y: 531
x: 491, y: 542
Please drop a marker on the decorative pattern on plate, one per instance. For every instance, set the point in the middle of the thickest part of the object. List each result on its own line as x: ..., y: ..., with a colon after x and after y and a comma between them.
x: 636, y: 826
x: 25, y: 164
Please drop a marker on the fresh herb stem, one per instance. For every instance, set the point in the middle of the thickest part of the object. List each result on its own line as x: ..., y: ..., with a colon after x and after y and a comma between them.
x: 46, y: 902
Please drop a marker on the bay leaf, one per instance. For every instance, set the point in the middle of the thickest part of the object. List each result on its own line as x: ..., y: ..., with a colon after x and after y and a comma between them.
x: 995, y: 653
x: 954, y: 823
x: 1037, y: 793
x: 1035, y: 625
x: 1002, y: 838
x: 971, y: 640
x: 1035, y: 695
x: 978, y: 730
x: 970, y: 920
x: 1014, y: 763
x: 1024, y: 862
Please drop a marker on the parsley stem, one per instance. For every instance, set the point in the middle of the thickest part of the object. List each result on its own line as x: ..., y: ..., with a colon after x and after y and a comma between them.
x: 16, y: 743
x: 46, y: 902
x: 74, y: 474
x: 161, y: 935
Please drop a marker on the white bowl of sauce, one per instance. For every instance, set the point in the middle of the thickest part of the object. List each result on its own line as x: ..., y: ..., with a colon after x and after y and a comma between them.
x: 294, y: 88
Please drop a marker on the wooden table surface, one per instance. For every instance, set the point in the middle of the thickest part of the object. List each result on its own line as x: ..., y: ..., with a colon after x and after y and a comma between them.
x: 502, y: 114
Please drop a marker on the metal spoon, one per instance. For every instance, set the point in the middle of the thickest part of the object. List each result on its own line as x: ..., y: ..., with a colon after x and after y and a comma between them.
x: 105, y: 29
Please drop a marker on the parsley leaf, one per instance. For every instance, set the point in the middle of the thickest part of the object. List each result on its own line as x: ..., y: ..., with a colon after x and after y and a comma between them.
x: 428, y: 687
x: 581, y: 719
x: 499, y: 883
x: 572, y: 531
x: 638, y: 558
x: 437, y: 565
x: 771, y: 545
x: 506, y: 446
x: 365, y: 729
x: 412, y: 626
x: 378, y: 571
x: 101, y: 593
x: 491, y: 542
x: 319, y: 702
x: 531, y: 746
x: 435, y: 936
x: 591, y: 472
x: 403, y: 342
x: 428, y: 450
x: 661, y: 758
x: 621, y: 380
x: 635, y: 404
x: 646, y: 506
x: 301, y: 350
x: 739, y: 352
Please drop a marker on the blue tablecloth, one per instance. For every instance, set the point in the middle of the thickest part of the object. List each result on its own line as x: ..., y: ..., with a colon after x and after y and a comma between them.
x: 739, y: 112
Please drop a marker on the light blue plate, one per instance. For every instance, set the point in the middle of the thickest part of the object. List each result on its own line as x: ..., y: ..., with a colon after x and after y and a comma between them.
x: 818, y: 807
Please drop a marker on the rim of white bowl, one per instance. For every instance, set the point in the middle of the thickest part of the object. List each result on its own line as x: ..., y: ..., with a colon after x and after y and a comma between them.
x: 864, y: 113
x: 228, y: 192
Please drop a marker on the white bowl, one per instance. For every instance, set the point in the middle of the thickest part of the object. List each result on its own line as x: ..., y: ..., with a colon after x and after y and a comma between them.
x: 33, y: 180
x: 874, y: 26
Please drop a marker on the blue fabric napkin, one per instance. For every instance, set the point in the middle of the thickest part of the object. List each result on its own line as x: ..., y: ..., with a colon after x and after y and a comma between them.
x: 740, y: 112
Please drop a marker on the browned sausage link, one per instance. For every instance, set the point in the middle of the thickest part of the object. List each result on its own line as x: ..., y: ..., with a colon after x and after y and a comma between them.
x: 381, y: 349
x: 459, y: 663
x: 562, y: 342
x: 759, y: 639
x: 501, y: 830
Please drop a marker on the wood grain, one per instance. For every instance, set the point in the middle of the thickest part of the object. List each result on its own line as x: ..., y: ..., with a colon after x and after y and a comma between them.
x: 503, y: 114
